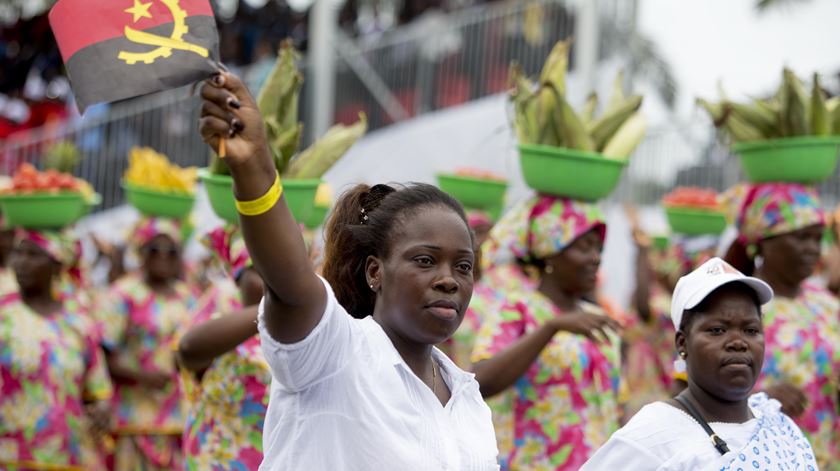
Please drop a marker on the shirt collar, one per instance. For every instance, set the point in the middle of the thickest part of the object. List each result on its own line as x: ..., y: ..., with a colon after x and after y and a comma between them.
x: 390, y: 355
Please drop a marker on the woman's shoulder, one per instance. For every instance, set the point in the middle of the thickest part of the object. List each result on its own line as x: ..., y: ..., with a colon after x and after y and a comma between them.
x: 814, y: 293
x: 659, y: 428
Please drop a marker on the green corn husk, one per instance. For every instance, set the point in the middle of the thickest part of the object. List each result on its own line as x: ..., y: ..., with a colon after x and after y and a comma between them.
x: 603, y: 128
x: 283, y: 82
x: 524, y: 105
x: 588, y: 110
x: 820, y: 119
x: 570, y: 127
x: 545, y: 117
x: 763, y: 119
x: 617, y: 97
x: 795, y: 104
x: 62, y: 156
x: 833, y: 107
x: 547, y: 125
x: 324, y: 153
x: 554, y: 69
x: 715, y: 110
x: 740, y: 130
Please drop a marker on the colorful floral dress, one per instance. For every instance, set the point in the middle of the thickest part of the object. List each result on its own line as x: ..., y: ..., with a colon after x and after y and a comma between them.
x: 8, y: 283
x: 802, y: 347
x: 484, y: 304
x: 49, y: 365
x: 140, y: 328
x: 227, y: 405
x: 566, y: 405
x: 649, y: 354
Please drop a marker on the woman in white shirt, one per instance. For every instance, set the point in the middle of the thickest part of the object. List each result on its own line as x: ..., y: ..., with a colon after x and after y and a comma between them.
x: 367, y: 391
x: 714, y: 424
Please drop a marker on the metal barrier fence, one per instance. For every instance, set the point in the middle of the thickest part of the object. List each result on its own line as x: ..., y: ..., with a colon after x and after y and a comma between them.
x: 439, y: 62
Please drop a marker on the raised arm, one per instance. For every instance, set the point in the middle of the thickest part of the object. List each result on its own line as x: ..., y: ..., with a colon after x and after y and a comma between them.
x: 295, y: 297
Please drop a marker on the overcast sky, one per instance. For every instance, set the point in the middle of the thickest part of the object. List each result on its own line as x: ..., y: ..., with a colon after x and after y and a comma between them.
x: 710, y: 40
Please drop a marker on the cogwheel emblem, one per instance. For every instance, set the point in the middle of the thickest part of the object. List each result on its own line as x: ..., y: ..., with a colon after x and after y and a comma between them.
x: 164, y: 44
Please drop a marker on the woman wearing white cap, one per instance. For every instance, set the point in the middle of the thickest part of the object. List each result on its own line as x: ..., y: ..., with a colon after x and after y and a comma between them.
x: 715, y: 423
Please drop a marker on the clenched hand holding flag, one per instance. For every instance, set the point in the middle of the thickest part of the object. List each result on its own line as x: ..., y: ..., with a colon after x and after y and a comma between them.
x: 117, y: 49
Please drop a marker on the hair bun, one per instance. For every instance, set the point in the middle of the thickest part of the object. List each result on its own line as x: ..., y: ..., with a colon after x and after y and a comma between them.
x: 373, y: 198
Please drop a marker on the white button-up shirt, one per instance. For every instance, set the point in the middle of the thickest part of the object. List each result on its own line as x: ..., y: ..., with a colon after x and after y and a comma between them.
x: 344, y: 399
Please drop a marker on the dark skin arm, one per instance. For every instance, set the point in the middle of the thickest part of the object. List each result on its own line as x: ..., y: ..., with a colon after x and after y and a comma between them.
x: 125, y: 374
x: 209, y: 340
x: 295, y: 297
x: 792, y: 398
x: 498, y: 373
x: 641, y: 295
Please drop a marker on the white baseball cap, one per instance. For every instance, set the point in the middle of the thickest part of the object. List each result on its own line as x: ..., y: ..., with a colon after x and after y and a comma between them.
x: 693, y: 288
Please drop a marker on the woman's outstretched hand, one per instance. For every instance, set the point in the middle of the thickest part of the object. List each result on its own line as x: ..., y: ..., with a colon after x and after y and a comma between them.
x: 229, y: 111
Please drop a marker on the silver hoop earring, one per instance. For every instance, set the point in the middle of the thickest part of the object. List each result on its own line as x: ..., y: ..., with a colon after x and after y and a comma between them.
x: 549, y: 269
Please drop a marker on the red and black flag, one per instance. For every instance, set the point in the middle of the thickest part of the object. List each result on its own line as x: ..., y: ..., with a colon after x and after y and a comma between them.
x: 117, y: 49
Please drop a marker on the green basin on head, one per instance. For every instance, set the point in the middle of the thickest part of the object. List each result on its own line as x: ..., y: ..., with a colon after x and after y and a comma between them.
x: 692, y: 221
x: 159, y: 203
x: 473, y: 192
x: 300, y: 197
x: 808, y: 159
x: 568, y: 172
x: 219, y: 190
x: 42, y: 210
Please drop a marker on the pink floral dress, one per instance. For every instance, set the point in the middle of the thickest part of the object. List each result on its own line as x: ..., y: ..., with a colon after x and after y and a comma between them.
x: 140, y: 327
x: 802, y: 347
x: 49, y: 365
x: 566, y: 405
x: 649, y: 354
x: 227, y: 405
x: 8, y: 283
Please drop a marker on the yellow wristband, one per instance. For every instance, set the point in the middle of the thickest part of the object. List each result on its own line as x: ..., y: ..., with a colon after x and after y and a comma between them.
x: 263, y: 203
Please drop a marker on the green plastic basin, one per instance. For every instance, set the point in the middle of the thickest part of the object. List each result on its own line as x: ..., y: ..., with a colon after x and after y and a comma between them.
x: 219, y: 190
x: 42, y: 210
x: 794, y: 159
x: 691, y: 221
x: 299, y: 194
x: 569, y: 172
x: 159, y: 203
x: 316, y: 217
x: 473, y: 192
x: 300, y: 197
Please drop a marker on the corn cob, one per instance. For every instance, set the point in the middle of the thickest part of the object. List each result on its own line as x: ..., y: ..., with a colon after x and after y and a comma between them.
x: 617, y: 97
x: 833, y: 107
x: 627, y: 138
x: 820, y: 120
x: 740, y: 130
x: 762, y: 119
x: 554, y: 69
x: 794, y: 115
x: 549, y: 128
x: 603, y: 128
x: 320, y: 156
x: 570, y: 127
x: 282, y: 81
x: 588, y: 110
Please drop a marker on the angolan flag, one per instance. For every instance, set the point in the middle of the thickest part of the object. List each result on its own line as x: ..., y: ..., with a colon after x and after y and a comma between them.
x: 116, y: 49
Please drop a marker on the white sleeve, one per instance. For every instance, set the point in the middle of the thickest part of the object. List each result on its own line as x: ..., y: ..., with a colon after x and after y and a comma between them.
x: 620, y: 453
x: 324, y: 352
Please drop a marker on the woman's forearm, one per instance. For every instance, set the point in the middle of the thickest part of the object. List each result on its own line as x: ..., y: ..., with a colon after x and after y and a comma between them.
x: 496, y: 374
x: 209, y: 340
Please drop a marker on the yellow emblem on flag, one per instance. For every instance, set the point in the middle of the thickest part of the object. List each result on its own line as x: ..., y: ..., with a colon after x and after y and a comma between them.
x: 165, y: 44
